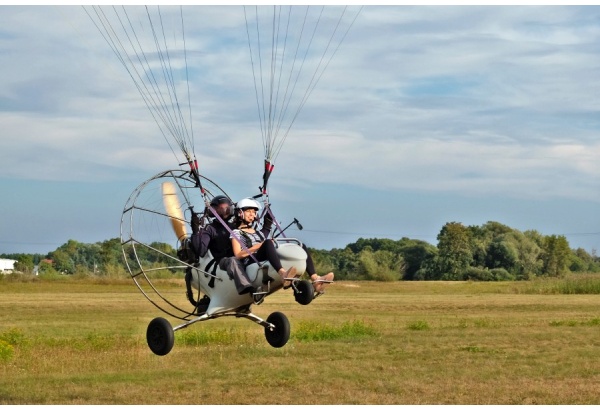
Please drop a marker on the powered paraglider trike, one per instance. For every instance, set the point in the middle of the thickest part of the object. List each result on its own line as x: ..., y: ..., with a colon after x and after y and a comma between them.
x: 154, y: 214
x: 297, y: 44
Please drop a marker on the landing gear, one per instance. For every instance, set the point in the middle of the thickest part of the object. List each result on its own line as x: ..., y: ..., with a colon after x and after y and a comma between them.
x: 160, y: 336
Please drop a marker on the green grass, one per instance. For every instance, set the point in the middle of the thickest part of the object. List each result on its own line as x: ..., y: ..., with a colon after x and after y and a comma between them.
x: 82, y: 341
x: 574, y: 284
x: 221, y: 336
x: 6, y: 351
x: 418, y: 325
x: 589, y: 322
x: 310, y: 331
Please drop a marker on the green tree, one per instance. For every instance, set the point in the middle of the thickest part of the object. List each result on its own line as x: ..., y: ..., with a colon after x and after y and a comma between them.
x: 581, y: 261
x: 374, y: 244
x: 502, y: 252
x: 24, y: 263
x: 492, y: 229
x: 497, y: 246
x: 110, y: 252
x: 454, y: 251
x: 530, y: 264
x: 63, y: 263
x: 535, y: 236
x: 415, y: 254
x: 346, y: 263
x: 46, y: 268
x: 383, y: 266
x: 75, y: 256
x: 555, y: 255
x: 486, y: 238
x: 323, y: 262
x: 429, y: 270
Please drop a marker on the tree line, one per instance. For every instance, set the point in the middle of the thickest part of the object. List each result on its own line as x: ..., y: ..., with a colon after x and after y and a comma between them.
x: 491, y: 252
x: 101, y: 258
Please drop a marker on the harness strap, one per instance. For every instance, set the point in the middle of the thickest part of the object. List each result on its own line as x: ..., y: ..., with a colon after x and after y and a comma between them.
x: 212, y: 264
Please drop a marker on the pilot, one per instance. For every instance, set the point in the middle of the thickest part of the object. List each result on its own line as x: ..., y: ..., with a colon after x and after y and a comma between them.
x: 215, y: 237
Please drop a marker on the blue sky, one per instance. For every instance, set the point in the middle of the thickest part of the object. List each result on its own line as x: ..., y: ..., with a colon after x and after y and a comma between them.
x: 426, y: 115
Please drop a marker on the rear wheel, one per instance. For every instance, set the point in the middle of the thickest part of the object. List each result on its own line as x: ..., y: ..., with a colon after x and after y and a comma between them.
x: 280, y: 334
x: 304, y: 292
x: 160, y: 336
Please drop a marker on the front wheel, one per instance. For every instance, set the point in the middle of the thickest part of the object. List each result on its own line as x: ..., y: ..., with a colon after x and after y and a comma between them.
x: 280, y: 334
x: 160, y: 336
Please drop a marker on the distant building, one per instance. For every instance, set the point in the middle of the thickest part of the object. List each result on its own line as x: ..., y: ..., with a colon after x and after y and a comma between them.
x: 7, y: 265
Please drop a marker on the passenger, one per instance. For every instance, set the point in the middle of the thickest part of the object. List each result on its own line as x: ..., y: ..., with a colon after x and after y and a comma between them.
x: 263, y: 249
x: 257, y: 245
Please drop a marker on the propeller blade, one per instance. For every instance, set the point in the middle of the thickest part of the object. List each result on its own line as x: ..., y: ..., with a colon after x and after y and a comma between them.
x: 173, y: 208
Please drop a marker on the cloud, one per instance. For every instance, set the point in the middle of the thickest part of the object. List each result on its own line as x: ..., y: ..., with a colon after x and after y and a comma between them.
x: 481, y: 167
x: 419, y: 90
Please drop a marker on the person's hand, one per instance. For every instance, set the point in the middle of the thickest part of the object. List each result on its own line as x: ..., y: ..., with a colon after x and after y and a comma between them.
x: 195, y: 223
x: 268, y: 221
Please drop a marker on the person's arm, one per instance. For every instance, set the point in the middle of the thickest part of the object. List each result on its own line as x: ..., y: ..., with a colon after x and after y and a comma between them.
x: 205, y: 237
x: 267, y: 225
x: 241, y: 253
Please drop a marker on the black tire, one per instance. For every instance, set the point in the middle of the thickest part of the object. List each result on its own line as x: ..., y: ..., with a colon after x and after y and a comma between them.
x: 280, y: 335
x: 304, y: 293
x: 160, y: 336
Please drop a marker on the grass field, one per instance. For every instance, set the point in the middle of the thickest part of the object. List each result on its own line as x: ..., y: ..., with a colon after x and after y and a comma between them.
x: 83, y: 342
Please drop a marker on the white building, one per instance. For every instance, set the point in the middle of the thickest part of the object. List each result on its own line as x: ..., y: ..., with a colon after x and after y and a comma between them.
x: 7, y: 265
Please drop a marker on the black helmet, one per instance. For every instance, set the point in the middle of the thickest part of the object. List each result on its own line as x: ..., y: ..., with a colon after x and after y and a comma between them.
x: 220, y: 199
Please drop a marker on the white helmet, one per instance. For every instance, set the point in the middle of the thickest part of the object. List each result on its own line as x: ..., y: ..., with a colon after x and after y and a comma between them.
x: 248, y: 203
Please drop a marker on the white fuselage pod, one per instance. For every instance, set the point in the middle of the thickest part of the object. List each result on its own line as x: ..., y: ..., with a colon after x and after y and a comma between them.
x: 223, y: 294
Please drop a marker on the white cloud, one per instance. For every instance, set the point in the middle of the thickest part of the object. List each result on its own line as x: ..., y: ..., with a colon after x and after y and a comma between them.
x: 480, y: 167
x: 430, y: 80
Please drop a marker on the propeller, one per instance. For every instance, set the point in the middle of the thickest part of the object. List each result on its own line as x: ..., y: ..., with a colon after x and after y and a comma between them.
x: 173, y: 208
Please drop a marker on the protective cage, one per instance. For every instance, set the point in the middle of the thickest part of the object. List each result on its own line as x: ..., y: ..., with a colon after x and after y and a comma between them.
x: 150, y: 244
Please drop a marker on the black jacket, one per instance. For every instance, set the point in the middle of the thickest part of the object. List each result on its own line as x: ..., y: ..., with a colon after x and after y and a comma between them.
x: 217, y: 238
